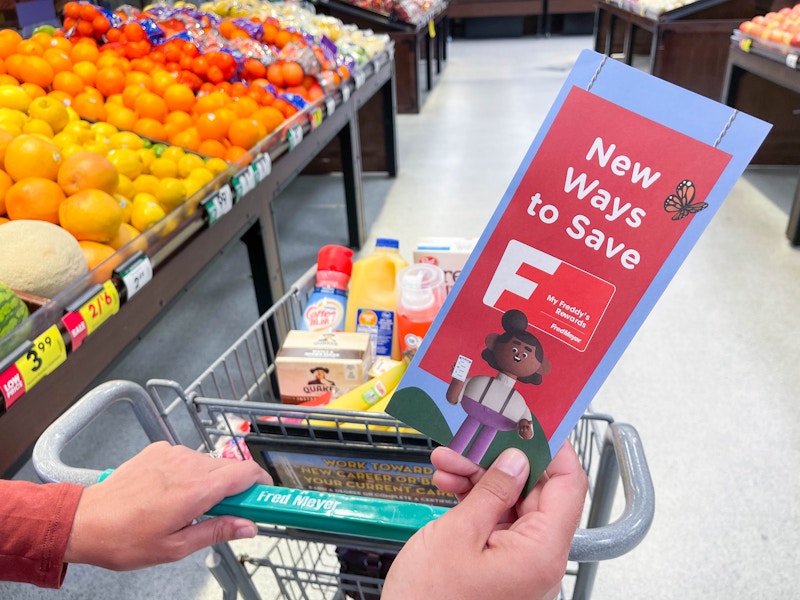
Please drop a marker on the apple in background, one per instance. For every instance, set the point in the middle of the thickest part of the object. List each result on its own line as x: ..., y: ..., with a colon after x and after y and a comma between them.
x: 795, y: 41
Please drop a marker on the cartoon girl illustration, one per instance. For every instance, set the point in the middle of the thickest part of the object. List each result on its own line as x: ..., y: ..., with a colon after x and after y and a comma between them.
x: 491, y: 403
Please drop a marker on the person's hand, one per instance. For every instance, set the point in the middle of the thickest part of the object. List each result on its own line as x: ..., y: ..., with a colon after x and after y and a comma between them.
x: 492, y: 544
x: 142, y: 514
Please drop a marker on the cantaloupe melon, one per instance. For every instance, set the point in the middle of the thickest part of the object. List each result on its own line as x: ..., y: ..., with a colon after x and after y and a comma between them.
x: 12, y: 310
x: 39, y: 258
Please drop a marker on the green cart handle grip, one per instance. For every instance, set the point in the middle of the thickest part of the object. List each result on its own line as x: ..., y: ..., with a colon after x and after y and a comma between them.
x: 344, y: 514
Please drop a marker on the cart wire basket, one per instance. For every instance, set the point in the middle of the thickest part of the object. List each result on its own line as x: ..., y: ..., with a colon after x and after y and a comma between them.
x: 235, y: 404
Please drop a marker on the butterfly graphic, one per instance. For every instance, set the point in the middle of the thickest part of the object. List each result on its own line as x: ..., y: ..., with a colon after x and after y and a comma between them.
x: 681, y: 202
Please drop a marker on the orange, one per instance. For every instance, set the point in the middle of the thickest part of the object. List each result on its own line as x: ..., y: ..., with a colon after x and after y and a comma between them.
x: 110, y: 81
x: 42, y: 38
x: 89, y: 107
x: 212, y: 148
x: 62, y: 97
x: 34, y: 198
x: 269, y: 117
x: 36, y: 70
x: 162, y: 80
x: 8, y: 80
x: 151, y: 106
x: 95, y: 252
x: 61, y: 43
x: 69, y: 83
x: 14, y: 65
x: 87, y: 71
x: 84, y: 51
x: 9, y: 40
x: 188, y: 138
x: 91, y: 215
x: 29, y: 155
x: 87, y: 170
x: 130, y: 93
x: 282, y: 38
x: 120, y: 116
x: 151, y: 128
x: 211, y: 102
x: 275, y: 75
x: 234, y: 153
x: 58, y: 59
x: 5, y: 184
x: 244, y: 106
x: 293, y: 73
x: 246, y: 132
x: 34, y: 91
x: 179, y: 97
x: 30, y: 48
x: 210, y: 126
x: 139, y: 78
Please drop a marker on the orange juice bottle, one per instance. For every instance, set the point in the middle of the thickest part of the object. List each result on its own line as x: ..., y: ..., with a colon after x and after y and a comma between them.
x: 372, y: 299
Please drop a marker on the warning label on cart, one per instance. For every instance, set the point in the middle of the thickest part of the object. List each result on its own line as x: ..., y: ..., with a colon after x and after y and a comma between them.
x: 613, y: 193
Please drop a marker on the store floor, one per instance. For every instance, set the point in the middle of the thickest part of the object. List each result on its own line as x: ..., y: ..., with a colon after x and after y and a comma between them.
x: 709, y: 381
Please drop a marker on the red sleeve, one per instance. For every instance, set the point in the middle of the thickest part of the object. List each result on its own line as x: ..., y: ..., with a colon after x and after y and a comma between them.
x: 35, y: 523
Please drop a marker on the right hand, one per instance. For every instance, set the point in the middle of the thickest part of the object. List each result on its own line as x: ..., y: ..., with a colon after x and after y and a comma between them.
x: 494, y: 544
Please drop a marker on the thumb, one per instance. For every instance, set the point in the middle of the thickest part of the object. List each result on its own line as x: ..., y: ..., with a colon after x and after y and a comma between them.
x: 214, y: 531
x: 496, y: 492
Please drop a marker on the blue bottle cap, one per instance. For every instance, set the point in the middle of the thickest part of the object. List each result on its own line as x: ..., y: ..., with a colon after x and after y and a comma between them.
x: 387, y: 243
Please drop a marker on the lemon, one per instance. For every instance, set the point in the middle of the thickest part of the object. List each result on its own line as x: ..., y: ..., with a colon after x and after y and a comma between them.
x: 163, y: 167
x: 11, y: 128
x: 171, y: 193
x: 10, y: 115
x: 146, y: 184
x: 126, y: 206
x: 216, y: 165
x: 12, y: 96
x: 202, y: 174
x: 68, y: 151
x: 127, y: 161
x: 38, y: 126
x: 62, y: 140
x: 192, y: 186
x: 51, y: 111
x: 104, y: 129
x: 126, y: 139
x: 74, y: 117
x: 99, y: 144
x: 79, y: 130
x: 125, y: 187
x: 148, y: 156
x: 173, y: 153
x: 146, y: 212
x: 188, y: 163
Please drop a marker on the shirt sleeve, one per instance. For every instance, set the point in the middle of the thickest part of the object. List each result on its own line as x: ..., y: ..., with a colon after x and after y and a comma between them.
x: 35, y: 524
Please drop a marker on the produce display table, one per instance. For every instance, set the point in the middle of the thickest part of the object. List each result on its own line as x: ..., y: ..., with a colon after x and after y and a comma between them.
x: 182, y: 254
x: 766, y: 85
x: 686, y: 46
x: 420, y: 48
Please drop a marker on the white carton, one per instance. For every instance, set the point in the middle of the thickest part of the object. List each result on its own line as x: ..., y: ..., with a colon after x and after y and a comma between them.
x: 448, y: 253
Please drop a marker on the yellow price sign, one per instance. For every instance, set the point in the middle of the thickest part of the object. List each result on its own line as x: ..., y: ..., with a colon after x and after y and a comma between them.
x: 431, y: 29
x: 100, y: 307
x: 46, y: 353
x: 745, y: 44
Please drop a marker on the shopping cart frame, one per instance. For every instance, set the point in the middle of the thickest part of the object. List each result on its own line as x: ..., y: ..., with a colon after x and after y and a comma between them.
x: 610, y: 452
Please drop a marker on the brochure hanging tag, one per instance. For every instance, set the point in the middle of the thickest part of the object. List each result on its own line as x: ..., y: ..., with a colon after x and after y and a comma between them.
x: 135, y: 273
x: 219, y: 203
x: 262, y: 167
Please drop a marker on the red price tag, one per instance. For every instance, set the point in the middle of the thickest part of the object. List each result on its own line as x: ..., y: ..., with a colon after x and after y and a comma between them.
x: 12, y: 385
x: 76, y: 327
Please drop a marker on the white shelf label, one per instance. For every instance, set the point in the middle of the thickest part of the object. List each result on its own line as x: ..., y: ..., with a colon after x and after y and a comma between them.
x: 244, y: 182
x: 136, y: 275
x: 219, y: 203
x: 294, y: 136
x: 360, y: 78
x: 791, y: 61
x: 330, y: 105
x: 345, y: 93
x: 262, y: 167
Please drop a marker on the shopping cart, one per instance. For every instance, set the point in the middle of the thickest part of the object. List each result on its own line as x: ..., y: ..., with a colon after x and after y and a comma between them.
x: 238, y: 393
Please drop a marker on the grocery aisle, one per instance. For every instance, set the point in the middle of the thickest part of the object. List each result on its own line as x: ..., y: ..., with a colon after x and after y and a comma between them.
x: 708, y: 381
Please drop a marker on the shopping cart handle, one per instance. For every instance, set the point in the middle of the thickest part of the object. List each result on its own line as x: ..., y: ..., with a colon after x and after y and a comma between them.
x: 326, y: 512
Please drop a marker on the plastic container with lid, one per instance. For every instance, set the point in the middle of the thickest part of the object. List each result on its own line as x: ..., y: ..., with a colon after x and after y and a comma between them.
x: 372, y: 300
x: 421, y: 293
x: 327, y: 305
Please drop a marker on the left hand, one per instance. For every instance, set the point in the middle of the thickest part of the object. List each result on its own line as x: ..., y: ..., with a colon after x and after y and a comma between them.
x: 142, y: 514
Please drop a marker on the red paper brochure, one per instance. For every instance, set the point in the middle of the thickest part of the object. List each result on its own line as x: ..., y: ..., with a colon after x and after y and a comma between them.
x: 612, y: 195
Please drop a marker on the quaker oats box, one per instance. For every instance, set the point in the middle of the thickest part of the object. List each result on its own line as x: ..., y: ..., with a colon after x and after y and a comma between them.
x: 311, y: 364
